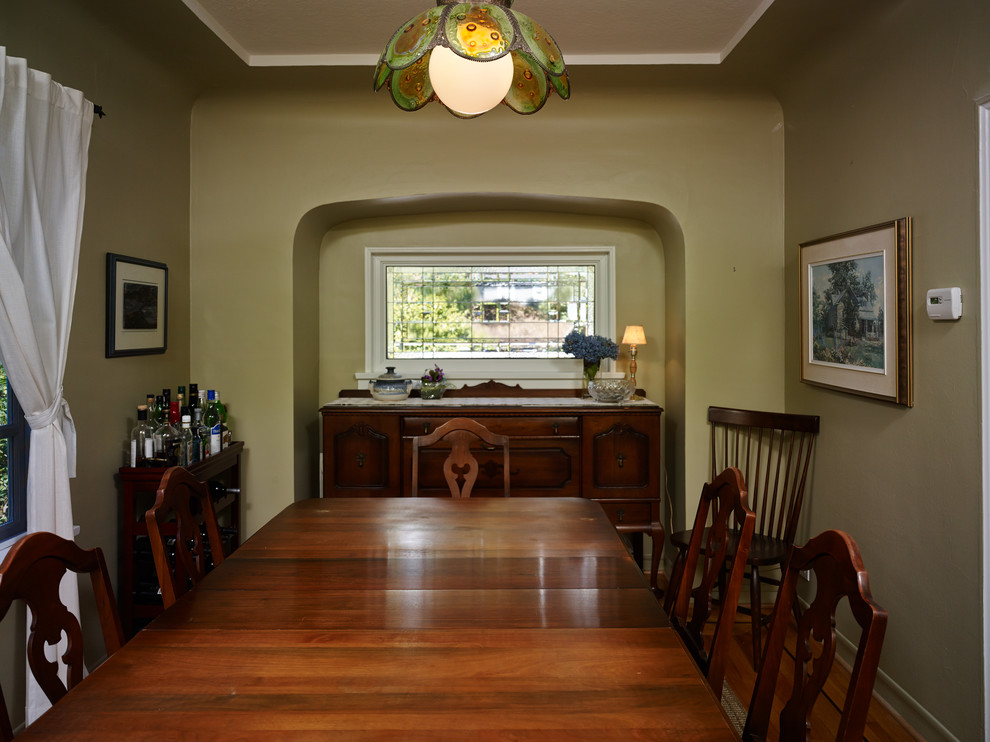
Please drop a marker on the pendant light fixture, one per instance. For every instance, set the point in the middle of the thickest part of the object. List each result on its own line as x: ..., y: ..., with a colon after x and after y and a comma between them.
x: 471, y: 56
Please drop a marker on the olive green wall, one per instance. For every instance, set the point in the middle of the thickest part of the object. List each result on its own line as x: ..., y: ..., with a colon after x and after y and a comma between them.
x: 882, y: 124
x: 263, y: 161
x: 137, y: 204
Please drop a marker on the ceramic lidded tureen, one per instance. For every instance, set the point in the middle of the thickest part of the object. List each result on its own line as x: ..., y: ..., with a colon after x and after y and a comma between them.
x: 390, y: 386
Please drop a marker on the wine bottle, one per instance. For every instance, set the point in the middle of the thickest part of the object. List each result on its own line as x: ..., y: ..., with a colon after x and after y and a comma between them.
x: 211, y: 421
x: 142, y: 438
x: 155, y: 415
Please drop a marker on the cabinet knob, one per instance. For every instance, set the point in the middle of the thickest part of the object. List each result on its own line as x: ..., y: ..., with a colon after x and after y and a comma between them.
x: 621, y: 515
x: 360, y: 460
x: 556, y: 428
x: 621, y: 458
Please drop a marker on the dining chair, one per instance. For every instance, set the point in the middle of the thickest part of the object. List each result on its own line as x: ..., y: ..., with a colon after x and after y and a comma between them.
x: 182, y: 510
x: 773, y: 451
x: 31, y: 572
x: 834, y: 561
x: 460, y: 468
x: 722, y: 516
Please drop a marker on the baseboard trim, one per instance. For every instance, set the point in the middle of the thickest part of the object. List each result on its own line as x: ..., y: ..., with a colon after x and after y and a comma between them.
x: 914, y: 717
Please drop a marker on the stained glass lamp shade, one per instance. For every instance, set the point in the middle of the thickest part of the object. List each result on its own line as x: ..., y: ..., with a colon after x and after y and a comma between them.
x: 471, y: 56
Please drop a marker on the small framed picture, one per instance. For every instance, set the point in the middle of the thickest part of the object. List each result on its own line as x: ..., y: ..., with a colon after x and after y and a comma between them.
x: 137, y: 306
x: 856, y: 312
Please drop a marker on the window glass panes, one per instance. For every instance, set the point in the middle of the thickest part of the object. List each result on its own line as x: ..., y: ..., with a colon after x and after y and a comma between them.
x: 4, y: 496
x: 489, y: 311
x: 3, y: 396
x: 4, y: 452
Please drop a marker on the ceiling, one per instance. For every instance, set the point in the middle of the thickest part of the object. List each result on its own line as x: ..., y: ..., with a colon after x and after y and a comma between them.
x: 275, y: 33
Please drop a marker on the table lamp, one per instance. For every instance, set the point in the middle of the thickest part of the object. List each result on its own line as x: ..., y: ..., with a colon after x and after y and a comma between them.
x: 632, y: 337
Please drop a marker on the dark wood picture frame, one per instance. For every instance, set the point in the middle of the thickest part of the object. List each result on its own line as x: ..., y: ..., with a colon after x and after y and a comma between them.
x: 137, y: 306
x: 856, y: 321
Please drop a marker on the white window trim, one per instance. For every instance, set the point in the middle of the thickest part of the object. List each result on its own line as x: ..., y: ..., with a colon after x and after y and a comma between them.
x: 545, y: 372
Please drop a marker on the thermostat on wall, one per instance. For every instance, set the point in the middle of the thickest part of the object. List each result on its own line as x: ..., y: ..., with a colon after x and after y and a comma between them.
x: 944, y: 303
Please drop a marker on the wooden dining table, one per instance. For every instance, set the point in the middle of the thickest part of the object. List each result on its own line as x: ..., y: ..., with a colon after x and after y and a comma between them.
x: 407, y: 619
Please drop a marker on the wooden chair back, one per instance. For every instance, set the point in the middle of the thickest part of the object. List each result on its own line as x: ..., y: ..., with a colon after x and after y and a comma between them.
x: 838, y: 573
x: 32, y: 572
x: 182, y: 504
x: 460, y: 468
x: 773, y: 452
x: 723, y: 529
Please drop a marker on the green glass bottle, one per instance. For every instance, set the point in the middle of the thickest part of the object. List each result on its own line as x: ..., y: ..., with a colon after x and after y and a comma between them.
x: 212, y: 423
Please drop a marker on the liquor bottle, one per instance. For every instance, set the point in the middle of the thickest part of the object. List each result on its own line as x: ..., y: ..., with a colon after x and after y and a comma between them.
x: 193, y: 397
x: 224, y: 427
x: 155, y: 414
x: 211, y: 421
x: 167, y: 396
x: 181, y: 397
x: 186, y: 447
x: 142, y: 438
x: 167, y: 443
x: 197, y: 433
x: 174, y: 414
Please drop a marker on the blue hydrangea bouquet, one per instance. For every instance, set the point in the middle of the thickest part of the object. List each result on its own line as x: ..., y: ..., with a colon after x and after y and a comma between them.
x: 591, y: 349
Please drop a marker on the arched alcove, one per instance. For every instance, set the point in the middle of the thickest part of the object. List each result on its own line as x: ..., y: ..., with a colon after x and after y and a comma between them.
x: 305, y: 293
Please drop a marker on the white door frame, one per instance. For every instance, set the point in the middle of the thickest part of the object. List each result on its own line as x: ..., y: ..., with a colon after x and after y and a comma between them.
x: 984, y: 116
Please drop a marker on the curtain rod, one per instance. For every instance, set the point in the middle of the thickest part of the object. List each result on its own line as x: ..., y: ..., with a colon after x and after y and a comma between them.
x: 98, y: 110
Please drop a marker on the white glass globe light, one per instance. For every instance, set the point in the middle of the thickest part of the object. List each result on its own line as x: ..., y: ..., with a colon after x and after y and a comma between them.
x: 466, y: 86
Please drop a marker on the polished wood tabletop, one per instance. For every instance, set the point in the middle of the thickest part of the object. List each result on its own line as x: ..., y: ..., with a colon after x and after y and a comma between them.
x: 412, y: 619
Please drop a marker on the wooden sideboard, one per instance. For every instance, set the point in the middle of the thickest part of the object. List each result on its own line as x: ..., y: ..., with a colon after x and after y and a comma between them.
x: 562, y: 446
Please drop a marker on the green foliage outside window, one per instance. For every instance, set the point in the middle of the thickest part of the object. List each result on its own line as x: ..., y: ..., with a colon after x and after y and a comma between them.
x: 486, y: 311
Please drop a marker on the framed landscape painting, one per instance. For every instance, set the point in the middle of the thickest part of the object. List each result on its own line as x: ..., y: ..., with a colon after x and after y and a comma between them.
x: 856, y: 312
x: 137, y: 306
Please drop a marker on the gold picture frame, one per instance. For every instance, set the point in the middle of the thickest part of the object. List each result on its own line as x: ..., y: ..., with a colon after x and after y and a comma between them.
x: 856, y: 327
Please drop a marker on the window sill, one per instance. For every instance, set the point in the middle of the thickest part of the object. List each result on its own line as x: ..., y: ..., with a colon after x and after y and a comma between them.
x: 5, y: 545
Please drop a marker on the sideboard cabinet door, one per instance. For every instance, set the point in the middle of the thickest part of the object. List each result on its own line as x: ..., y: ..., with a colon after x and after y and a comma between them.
x: 622, y: 452
x: 361, y: 456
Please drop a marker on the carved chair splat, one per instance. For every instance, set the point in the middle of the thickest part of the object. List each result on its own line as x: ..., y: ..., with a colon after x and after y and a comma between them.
x: 32, y: 572
x: 839, y: 573
x: 460, y: 468
x: 723, y: 508
x: 183, y: 497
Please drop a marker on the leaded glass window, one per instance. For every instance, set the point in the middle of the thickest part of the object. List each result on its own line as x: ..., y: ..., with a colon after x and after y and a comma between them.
x: 486, y: 311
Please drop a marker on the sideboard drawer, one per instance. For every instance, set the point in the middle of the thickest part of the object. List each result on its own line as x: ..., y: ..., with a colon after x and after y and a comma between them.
x: 633, y: 513
x: 514, y: 427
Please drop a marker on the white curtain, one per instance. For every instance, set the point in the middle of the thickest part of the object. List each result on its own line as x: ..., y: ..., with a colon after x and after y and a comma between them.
x: 44, y: 143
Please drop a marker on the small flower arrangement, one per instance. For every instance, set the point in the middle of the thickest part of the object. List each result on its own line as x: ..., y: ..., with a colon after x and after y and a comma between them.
x: 591, y: 349
x: 433, y: 375
x: 433, y: 383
